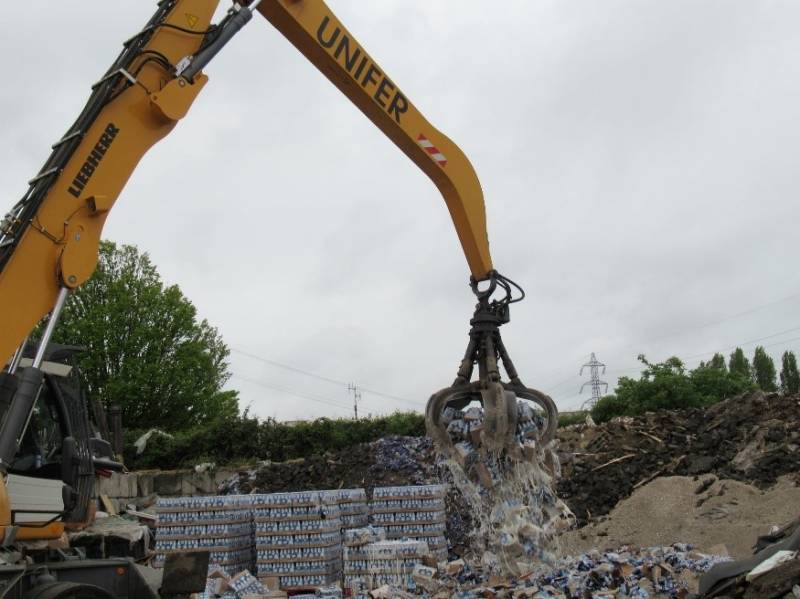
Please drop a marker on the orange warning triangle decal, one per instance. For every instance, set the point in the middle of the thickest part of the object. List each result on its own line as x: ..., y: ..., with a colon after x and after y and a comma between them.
x: 192, y: 20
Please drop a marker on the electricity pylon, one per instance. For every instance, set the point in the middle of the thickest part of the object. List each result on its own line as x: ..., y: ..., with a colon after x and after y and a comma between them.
x: 594, y: 380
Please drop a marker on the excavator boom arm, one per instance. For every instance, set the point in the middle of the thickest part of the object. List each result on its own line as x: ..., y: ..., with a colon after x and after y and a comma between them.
x: 316, y: 32
x: 49, y: 241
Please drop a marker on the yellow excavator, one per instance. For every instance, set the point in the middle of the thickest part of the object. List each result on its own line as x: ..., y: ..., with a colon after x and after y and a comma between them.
x: 49, y: 247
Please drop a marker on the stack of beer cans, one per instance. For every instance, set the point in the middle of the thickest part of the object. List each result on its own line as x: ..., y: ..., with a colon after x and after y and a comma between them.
x: 221, y: 525
x: 353, y: 508
x: 412, y: 512
x: 298, y: 540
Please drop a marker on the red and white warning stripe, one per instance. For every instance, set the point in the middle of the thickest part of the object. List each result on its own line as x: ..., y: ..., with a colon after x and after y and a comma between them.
x: 432, y: 150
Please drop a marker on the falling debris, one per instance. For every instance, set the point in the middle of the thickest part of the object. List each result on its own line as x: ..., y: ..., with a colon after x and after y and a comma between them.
x: 514, y: 511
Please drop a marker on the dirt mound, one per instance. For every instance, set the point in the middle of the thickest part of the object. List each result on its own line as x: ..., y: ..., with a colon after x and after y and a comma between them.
x: 754, y: 438
x: 385, y: 462
x: 707, y: 513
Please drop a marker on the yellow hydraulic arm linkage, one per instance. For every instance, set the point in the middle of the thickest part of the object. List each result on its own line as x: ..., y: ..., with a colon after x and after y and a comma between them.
x: 50, y: 238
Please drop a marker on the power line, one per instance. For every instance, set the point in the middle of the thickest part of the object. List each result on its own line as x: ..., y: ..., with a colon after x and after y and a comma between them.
x: 323, y: 378
x: 395, y: 397
x: 782, y: 342
x: 797, y: 328
x: 562, y: 383
x: 730, y: 347
x: 727, y: 318
x: 693, y: 328
x: 287, y: 367
x: 318, y: 399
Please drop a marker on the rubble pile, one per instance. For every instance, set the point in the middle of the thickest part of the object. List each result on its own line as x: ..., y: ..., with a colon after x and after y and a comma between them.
x: 412, y: 512
x: 410, y: 459
x: 298, y: 539
x: 221, y: 525
x: 752, y: 438
x: 654, y: 573
x: 392, y: 460
x: 243, y: 585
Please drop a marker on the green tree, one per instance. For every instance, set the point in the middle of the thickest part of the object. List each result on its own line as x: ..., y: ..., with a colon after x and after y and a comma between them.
x: 667, y: 386
x: 608, y: 407
x: 717, y: 361
x: 146, y: 350
x: 764, y: 370
x: 738, y: 364
x: 663, y: 385
x: 790, y: 377
x: 713, y: 381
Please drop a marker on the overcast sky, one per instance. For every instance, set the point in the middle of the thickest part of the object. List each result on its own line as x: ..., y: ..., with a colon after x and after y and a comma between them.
x: 639, y: 161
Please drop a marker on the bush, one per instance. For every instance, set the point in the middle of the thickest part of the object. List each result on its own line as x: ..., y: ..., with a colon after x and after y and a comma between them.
x: 667, y: 386
x: 572, y: 418
x: 715, y: 384
x: 245, y: 438
x: 608, y: 407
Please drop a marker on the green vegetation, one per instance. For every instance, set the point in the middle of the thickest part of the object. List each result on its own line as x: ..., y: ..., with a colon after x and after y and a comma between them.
x: 764, y: 370
x: 790, y: 377
x: 572, y: 418
x: 147, y: 351
x: 738, y: 363
x: 244, y: 439
x: 669, y: 386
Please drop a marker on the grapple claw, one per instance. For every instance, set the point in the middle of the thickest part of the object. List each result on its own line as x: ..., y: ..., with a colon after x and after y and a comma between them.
x: 502, y: 402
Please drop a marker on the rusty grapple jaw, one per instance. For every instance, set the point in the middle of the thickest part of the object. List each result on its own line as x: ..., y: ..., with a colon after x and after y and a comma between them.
x: 505, y: 417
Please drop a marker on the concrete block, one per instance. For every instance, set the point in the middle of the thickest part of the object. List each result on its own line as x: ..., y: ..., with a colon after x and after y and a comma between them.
x: 108, y: 486
x: 127, y: 486
x: 145, y: 484
x: 168, y: 484
x: 203, y: 482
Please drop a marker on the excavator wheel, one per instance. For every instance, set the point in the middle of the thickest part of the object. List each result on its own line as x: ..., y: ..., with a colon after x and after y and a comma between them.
x: 67, y: 590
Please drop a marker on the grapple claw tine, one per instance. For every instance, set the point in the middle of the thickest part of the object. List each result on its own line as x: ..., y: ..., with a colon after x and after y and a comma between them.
x: 500, y: 417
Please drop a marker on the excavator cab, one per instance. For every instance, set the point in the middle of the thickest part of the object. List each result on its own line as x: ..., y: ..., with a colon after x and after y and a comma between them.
x: 51, y: 478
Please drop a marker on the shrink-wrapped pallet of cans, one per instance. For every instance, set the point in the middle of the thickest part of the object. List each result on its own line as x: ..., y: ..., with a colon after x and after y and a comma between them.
x: 353, y: 508
x: 375, y: 564
x: 221, y: 525
x: 298, y: 541
x: 412, y: 512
